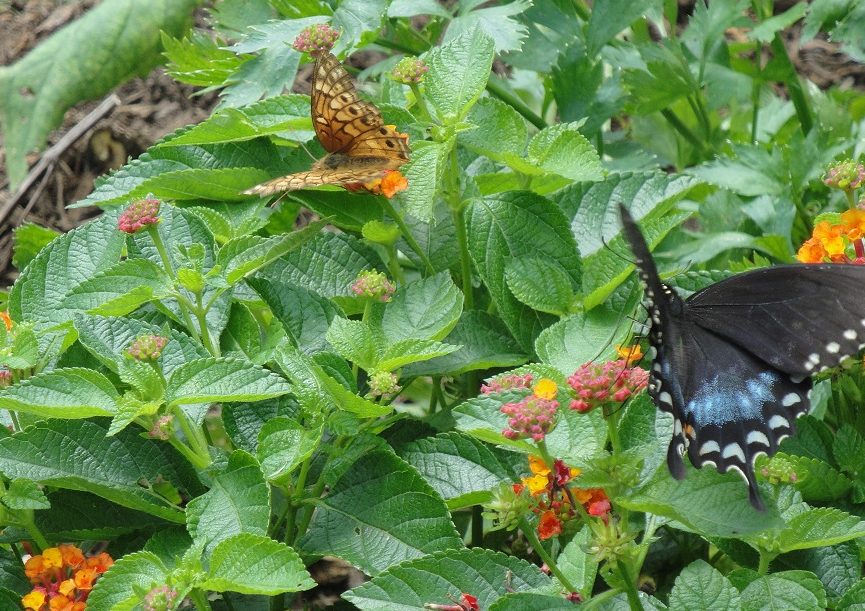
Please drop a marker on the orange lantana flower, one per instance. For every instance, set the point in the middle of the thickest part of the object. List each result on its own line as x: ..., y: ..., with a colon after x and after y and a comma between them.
x: 854, y: 223
x: 831, y: 237
x: 812, y: 251
x: 7, y: 320
x: 631, y: 354
x: 549, y: 525
x: 34, y: 600
x: 388, y: 185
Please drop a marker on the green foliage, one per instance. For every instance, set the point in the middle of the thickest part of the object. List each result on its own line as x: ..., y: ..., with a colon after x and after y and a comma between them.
x: 301, y: 406
x: 81, y: 61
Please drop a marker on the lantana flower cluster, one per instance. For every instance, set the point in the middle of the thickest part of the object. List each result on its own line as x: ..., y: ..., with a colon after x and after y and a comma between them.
x: 555, y: 500
x: 138, y: 215
x: 62, y: 578
x: 837, y: 242
x: 409, y: 70
x: 316, y: 38
x: 598, y: 383
x: 147, y: 347
x: 533, y: 416
x: 373, y: 284
x: 391, y: 182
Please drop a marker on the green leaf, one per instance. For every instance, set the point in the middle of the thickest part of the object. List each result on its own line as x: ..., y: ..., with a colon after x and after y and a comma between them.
x: 108, y: 338
x: 837, y: 566
x: 62, y: 393
x: 120, y: 289
x: 327, y: 265
x: 497, y: 232
x: 283, y: 444
x: 485, y: 344
x: 458, y: 73
x: 766, y: 30
x: 242, y: 256
x: 355, y: 341
x: 428, y: 308
x: 581, y: 338
x: 818, y: 480
x: 319, y: 392
x: 496, y: 22
x: 24, y: 351
x: 82, y: 516
x: 578, y: 565
x: 500, y: 132
x: 701, y: 586
x: 305, y: 315
x: 222, y: 379
x: 256, y: 564
x: 286, y: 116
x: 848, y: 448
x: 460, y: 469
x: 119, y: 587
x: 25, y: 494
x: 609, y: 17
x: 48, y: 452
x: 695, y: 501
x: 409, y: 351
x: 540, y: 284
x: 664, y: 78
x: 70, y: 260
x: 530, y: 601
x: 563, y: 150
x: 853, y: 599
x: 799, y: 590
x: 238, y: 502
x: 400, y: 513
x: 425, y: 173
x: 60, y: 72
x: 198, y: 60
x: 820, y: 527
x: 410, y: 585
x: 12, y: 577
x: 359, y: 19
x: 27, y: 240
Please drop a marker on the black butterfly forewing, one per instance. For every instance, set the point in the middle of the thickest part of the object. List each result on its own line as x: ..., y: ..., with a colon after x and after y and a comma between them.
x: 733, y: 362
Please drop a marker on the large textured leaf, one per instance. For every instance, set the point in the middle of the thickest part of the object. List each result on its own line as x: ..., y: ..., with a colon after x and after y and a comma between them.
x: 400, y: 516
x: 82, y: 61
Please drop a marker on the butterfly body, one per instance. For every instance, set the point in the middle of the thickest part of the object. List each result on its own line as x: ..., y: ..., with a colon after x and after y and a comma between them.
x: 732, y: 363
x: 361, y: 148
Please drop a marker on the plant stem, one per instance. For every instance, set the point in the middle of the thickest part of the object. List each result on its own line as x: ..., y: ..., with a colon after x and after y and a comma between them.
x: 533, y: 540
x: 407, y: 235
x: 497, y: 88
x: 630, y: 588
x: 201, y: 316
x: 199, y: 599
x: 794, y: 86
x: 423, y: 111
x: 153, y: 232
x: 685, y: 131
x: 765, y: 559
x: 194, y: 437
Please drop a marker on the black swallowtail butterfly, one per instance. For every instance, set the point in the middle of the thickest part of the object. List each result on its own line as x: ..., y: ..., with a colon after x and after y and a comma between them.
x: 733, y: 362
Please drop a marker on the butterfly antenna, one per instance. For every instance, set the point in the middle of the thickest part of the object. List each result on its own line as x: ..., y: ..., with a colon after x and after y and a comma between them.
x: 615, y: 252
x: 303, y: 146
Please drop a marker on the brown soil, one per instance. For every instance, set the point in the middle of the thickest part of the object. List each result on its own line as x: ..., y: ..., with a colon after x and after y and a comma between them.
x: 150, y: 108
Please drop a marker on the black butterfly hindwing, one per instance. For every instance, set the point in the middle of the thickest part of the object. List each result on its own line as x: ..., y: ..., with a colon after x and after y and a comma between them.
x: 732, y: 364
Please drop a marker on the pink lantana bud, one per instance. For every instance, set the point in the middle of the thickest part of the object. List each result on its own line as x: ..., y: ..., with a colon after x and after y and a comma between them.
x: 597, y: 383
x: 162, y: 428
x: 507, y: 382
x: 409, y: 70
x: 373, y: 285
x: 845, y: 175
x: 5, y: 378
x: 138, y: 215
x: 147, y: 347
x: 160, y: 598
x: 532, y: 417
x: 315, y: 39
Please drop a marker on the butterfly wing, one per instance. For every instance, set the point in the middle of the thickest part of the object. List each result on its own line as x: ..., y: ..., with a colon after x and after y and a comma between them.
x: 314, y: 178
x: 343, y: 122
x: 797, y: 318
x: 734, y: 406
x: 729, y: 403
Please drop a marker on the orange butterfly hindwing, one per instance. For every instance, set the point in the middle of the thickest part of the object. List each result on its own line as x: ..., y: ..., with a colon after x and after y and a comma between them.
x: 360, y: 146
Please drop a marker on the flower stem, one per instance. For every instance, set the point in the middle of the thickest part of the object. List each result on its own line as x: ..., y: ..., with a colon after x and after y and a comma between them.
x: 407, y: 235
x: 630, y: 588
x: 200, y: 456
x: 153, y: 232
x: 541, y: 551
x: 423, y: 111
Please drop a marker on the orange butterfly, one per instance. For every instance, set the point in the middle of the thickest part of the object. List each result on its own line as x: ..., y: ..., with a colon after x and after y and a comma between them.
x: 360, y: 147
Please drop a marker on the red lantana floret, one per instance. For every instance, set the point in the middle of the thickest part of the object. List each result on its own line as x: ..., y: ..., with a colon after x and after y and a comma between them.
x: 138, y: 215
x: 597, y: 383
